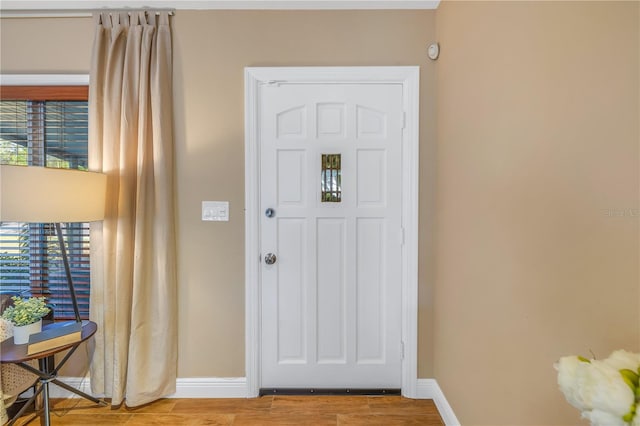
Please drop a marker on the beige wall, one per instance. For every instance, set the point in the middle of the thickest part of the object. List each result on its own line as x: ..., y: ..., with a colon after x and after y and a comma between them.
x: 211, y: 50
x: 537, y: 140
x: 39, y: 46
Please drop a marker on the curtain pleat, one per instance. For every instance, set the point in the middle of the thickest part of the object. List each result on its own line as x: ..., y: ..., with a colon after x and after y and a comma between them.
x: 133, y: 286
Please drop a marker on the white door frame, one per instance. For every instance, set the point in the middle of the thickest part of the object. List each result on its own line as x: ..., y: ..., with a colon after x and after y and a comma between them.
x: 409, y: 78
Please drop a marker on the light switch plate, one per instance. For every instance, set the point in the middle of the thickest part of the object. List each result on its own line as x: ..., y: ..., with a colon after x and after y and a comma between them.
x: 217, y: 211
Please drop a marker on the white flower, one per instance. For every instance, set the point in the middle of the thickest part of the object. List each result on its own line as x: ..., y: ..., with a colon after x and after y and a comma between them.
x: 603, y: 418
x: 621, y: 359
x: 598, y: 389
x: 609, y: 392
x: 572, y: 377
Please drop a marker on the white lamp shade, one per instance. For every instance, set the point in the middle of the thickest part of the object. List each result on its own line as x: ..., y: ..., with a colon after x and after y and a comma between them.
x: 41, y: 194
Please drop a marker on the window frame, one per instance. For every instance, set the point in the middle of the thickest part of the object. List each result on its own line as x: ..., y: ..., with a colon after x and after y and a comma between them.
x: 45, y: 87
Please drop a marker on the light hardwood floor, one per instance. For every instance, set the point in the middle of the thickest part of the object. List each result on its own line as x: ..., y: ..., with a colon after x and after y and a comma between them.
x: 267, y: 410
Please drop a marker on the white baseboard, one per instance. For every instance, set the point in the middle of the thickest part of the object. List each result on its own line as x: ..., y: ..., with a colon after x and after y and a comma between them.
x: 429, y: 389
x: 189, y: 387
x: 236, y: 387
x: 83, y: 384
x: 210, y: 387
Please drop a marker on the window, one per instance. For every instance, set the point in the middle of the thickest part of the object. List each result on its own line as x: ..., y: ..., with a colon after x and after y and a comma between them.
x: 331, y: 179
x: 45, y: 126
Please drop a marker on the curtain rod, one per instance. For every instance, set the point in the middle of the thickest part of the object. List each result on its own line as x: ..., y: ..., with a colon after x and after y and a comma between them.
x: 73, y: 13
x: 134, y: 10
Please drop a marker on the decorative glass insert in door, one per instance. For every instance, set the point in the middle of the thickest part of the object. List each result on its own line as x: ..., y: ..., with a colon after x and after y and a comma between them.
x: 331, y: 179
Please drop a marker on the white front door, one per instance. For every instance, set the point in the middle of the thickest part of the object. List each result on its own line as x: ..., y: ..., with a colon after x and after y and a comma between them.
x: 331, y: 235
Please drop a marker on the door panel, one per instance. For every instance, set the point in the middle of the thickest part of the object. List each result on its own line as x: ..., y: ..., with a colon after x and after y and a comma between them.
x: 291, y: 179
x: 292, y: 261
x: 331, y: 303
x: 372, y: 177
x: 370, y: 290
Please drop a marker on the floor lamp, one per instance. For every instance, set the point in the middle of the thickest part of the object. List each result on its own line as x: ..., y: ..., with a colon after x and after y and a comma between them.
x: 48, y: 195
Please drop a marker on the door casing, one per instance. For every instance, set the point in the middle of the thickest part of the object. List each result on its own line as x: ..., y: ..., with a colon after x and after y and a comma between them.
x: 408, y: 77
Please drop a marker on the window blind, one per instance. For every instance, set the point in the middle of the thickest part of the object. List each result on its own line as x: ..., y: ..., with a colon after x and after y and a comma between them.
x: 51, y: 133
x: 44, y: 133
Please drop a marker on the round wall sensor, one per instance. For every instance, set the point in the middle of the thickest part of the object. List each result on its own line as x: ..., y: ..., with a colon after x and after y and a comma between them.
x: 434, y: 51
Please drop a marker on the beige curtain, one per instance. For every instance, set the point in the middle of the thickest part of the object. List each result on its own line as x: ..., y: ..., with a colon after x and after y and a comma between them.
x: 133, y: 286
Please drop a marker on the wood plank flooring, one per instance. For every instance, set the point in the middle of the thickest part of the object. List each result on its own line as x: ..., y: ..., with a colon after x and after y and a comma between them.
x: 267, y: 410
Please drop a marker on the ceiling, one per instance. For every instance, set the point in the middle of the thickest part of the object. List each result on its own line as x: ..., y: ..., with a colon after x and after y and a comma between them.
x: 55, y: 6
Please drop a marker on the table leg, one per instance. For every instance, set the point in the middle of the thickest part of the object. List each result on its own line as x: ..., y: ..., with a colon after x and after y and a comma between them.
x: 45, y: 365
x: 25, y: 406
x: 44, y: 419
x: 79, y: 392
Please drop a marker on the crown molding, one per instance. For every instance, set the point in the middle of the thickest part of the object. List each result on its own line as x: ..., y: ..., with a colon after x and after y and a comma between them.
x: 58, y: 7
